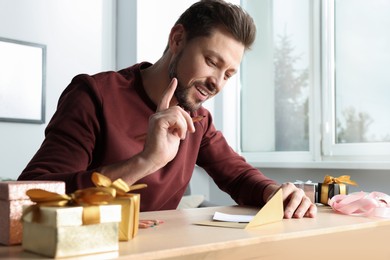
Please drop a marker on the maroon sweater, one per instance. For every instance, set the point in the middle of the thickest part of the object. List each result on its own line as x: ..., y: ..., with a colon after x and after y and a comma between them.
x: 96, y: 122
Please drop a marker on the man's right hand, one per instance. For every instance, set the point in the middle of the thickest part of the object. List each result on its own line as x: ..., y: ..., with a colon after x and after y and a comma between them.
x: 167, y: 127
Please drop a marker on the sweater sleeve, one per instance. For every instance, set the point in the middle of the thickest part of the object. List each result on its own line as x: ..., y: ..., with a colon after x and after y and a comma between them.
x: 232, y: 174
x: 70, y: 138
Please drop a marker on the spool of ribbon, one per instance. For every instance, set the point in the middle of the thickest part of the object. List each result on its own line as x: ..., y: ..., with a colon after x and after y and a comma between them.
x: 89, y: 198
x: 375, y: 204
x: 342, y: 181
x: 122, y: 188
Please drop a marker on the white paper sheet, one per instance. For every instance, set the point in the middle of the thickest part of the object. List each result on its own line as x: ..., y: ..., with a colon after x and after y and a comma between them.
x: 232, y: 218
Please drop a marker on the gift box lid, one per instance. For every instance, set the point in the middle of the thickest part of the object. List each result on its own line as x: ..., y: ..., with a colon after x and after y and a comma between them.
x: 73, y: 216
x: 16, y: 190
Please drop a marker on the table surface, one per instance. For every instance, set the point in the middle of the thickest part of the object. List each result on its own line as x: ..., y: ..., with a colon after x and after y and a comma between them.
x: 351, y: 237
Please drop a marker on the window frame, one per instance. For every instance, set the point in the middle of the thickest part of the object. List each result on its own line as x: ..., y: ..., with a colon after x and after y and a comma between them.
x: 373, y: 153
x: 323, y: 151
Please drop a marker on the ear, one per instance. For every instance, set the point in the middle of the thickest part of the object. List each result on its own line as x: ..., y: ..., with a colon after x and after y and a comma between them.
x: 177, y: 38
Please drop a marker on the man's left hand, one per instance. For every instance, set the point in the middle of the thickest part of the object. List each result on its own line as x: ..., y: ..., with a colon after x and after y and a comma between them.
x: 296, y: 203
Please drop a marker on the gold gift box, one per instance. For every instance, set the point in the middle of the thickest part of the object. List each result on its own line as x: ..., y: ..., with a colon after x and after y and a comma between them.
x: 128, y: 227
x: 12, y: 199
x: 60, y: 232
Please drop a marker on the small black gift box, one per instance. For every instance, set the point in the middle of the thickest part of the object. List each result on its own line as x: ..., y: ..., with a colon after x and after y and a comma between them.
x: 333, y: 186
x: 327, y: 191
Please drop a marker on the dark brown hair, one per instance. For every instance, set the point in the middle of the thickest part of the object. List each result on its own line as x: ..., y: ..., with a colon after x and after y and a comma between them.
x: 204, y: 16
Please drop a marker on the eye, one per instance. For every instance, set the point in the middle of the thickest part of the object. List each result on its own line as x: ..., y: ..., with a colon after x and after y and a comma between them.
x: 211, y: 62
x: 227, y: 76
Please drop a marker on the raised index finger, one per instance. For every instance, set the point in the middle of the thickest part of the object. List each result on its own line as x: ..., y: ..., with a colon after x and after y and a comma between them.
x: 167, y: 96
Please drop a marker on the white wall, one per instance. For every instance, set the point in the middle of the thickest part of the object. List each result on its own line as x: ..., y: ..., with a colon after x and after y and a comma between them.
x: 79, y: 39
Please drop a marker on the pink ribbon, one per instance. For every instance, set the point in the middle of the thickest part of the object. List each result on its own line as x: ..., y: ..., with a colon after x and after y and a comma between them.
x: 374, y: 204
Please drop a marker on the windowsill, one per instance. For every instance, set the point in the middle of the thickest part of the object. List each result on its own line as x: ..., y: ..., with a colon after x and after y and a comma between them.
x: 367, y: 165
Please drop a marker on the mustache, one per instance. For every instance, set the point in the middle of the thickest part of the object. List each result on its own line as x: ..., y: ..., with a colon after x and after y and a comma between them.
x: 209, y: 86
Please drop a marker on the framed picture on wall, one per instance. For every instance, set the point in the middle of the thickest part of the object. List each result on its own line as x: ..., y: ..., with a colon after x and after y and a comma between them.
x: 22, y: 81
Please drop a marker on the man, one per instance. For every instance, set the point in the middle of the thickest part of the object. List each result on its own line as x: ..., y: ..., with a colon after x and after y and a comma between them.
x: 138, y: 124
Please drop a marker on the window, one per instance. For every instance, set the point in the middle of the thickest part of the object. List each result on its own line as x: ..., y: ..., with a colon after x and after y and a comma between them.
x: 315, y: 84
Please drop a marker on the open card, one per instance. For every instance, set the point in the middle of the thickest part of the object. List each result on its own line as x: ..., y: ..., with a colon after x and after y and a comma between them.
x: 271, y: 212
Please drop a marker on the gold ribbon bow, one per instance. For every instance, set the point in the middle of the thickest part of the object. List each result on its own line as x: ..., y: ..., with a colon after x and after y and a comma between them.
x: 346, y: 179
x: 130, y: 203
x: 89, y: 198
x: 341, y: 181
x: 121, y: 187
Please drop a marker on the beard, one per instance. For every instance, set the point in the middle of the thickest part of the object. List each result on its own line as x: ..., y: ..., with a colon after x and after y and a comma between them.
x: 182, y: 91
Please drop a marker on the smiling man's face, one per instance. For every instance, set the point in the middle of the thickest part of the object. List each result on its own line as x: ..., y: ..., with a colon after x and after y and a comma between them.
x: 203, y: 66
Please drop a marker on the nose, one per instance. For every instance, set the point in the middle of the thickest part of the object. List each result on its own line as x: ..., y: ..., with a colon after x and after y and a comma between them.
x: 213, y: 85
x: 216, y: 83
